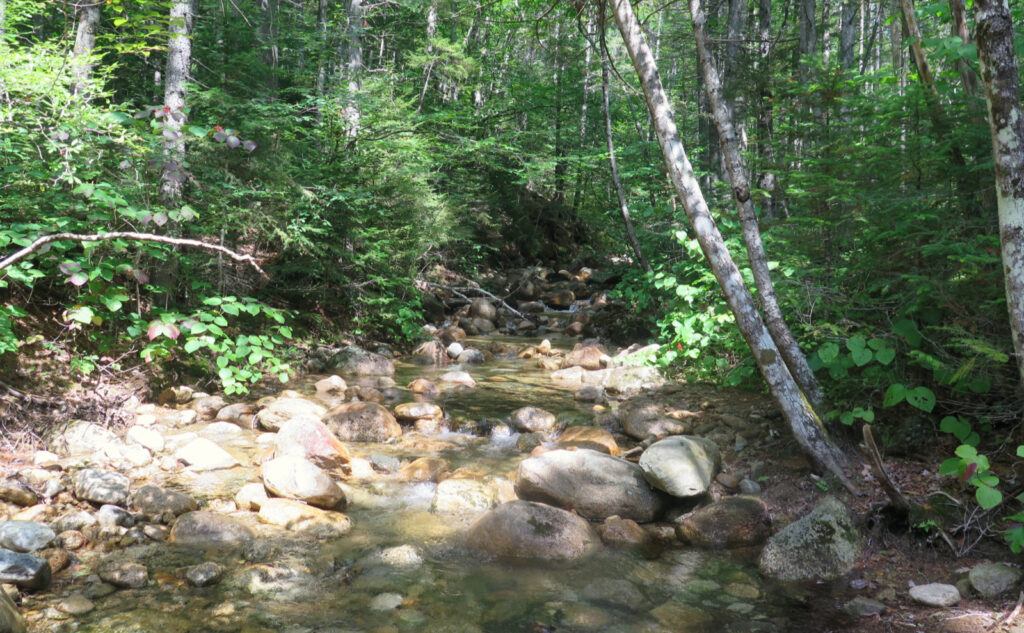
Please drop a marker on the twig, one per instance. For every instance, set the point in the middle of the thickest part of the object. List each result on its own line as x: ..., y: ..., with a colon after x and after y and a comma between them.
x: 141, y: 237
x: 460, y: 289
x: 1008, y: 618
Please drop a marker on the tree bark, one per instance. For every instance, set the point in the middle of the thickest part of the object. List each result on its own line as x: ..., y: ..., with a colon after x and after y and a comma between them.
x: 179, y: 58
x: 804, y: 422
x: 616, y: 180
x: 958, y: 14
x: 998, y: 63
x: 766, y: 180
x: 848, y: 35
x: 85, y: 42
x: 737, y: 172
x: 354, y: 65
x: 808, y: 32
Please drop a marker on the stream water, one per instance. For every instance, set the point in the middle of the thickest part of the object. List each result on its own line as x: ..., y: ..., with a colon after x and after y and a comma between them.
x: 403, y: 567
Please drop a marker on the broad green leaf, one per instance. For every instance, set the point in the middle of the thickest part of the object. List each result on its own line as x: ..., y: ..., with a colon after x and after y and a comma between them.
x: 828, y: 353
x: 988, y: 497
x: 885, y: 355
x: 894, y: 395
x: 908, y: 330
x: 855, y: 343
x: 966, y: 452
x: 922, y: 397
x: 193, y: 344
x: 222, y: 361
x: 861, y: 356
x: 950, y: 466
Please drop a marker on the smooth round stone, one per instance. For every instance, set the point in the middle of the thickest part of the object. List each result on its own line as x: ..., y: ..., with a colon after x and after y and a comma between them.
x: 114, y: 515
x: 201, y: 454
x: 861, y: 607
x: 458, y: 378
x: 17, y: 493
x: 206, y: 529
x: 749, y: 487
x: 25, y: 536
x: 682, y: 465
x: 102, y: 486
x: 994, y: 579
x: 155, y: 501
x: 75, y: 604
x: 935, y: 594
x: 24, y: 570
x: 204, y: 574
x: 297, y: 478
x: 331, y: 384
x: 386, y: 602
x: 251, y: 496
x: 73, y: 539
x: 418, y: 411
x: 299, y: 517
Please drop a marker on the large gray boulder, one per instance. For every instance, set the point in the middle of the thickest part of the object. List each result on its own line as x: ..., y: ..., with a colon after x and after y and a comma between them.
x: 295, y: 478
x: 102, y: 486
x: 522, y: 529
x: 359, y: 362
x: 209, y: 530
x: 682, y: 466
x: 594, y: 484
x: 24, y: 570
x: 25, y: 536
x: 362, y: 422
x: 823, y: 545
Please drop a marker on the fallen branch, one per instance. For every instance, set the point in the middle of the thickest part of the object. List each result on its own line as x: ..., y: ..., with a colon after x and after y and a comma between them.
x: 1008, y: 619
x: 127, y: 235
x: 458, y: 290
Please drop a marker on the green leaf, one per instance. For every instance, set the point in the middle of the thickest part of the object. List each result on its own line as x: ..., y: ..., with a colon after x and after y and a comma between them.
x: 885, y: 355
x: 861, y: 356
x: 894, y: 395
x: 922, y: 397
x: 950, y: 466
x: 222, y: 361
x: 908, y: 330
x: 1020, y: 450
x: 828, y: 353
x: 112, y: 303
x: 230, y: 308
x: 966, y: 452
x: 855, y: 343
x: 988, y: 497
x: 193, y: 344
x: 846, y: 417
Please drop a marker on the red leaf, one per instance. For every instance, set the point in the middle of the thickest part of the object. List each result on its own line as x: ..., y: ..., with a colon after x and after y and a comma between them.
x: 969, y: 472
x: 156, y: 328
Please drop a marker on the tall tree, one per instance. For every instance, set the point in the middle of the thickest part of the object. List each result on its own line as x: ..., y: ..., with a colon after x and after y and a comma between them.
x: 999, y: 74
x: 85, y: 42
x: 176, y: 77
x: 736, y: 169
x: 804, y: 422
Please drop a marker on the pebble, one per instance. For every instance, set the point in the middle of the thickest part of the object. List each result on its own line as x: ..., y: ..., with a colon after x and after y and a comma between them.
x: 749, y: 487
x: 76, y: 604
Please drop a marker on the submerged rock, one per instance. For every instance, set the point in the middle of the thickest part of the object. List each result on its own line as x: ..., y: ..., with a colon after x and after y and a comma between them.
x: 596, y: 485
x: 126, y: 574
x: 534, y: 420
x: 523, y: 529
x: 296, y: 516
x: 204, y: 574
x: 682, y: 466
x: 823, y: 545
x: 204, y: 529
x: 362, y: 422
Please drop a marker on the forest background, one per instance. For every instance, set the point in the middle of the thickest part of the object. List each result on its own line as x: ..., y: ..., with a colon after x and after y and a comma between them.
x: 301, y: 168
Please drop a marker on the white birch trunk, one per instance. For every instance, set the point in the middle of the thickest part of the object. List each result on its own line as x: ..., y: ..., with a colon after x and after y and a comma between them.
x: 85, y: 42
x: 998, y: 62
x: 804, y: 422
x: 179, y: 58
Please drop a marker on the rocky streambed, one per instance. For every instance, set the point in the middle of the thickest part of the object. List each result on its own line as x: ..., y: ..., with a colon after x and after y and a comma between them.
x: 531, y: 488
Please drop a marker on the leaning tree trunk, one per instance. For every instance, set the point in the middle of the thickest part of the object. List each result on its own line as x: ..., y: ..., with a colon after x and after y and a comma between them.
x: 804, y: 422
x: 998, y: 62
x: 85, y: 42
x: 179, y: 58
x: 616, y: 180
x: 736, y: 167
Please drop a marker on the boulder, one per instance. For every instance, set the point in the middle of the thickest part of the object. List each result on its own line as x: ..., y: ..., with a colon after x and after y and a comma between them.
x: 202, y: 454
x: 632, y: 380
x: 271, y: 418
x: 464, y: 493
x: 10, y: 620
x: 823, y: 546
x: 424, y: 469
x: 146, y: 437
x: 589, y: 356
x: 298, y: 517
x: 471, y: 356
x: 682, y: 466
x: 522, y: 529
x: 310, y: 439
x: 154, y: 501
x: 620, y: 533
x: 991, y: 580
x: 251, y: 496
x: 362, y: 422
x: 457, y: 379
x: 102, y: 486
x: 204, y: 574
x: 359, y: 362
x: 331, y: 386
x: 25, y: 536
x: 595, y: 485
x: 592, y: 437
x: 242, y: 414
x: 424, y: 387
x: 82, y: 437
x: 18, y: 493
x: 209, y: 530
x: 410, y: 411
x: 643, y: 422
x: 935, y: 594
x: 534, y: 420
x: 24, y: 570
x: 731, y: 522
x: 482, y: 308
x: 296, y: 478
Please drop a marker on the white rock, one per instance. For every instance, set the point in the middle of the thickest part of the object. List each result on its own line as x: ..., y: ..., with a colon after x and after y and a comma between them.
x: 935, y: 594
x: 147, y: 437
x: 202, y: 454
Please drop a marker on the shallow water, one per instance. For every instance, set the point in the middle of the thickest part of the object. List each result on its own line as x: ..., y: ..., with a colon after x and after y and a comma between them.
x: 403, y: 567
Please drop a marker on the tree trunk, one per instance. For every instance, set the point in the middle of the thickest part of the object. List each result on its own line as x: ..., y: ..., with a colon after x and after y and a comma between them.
x: 577, y: 194
x: 766, y: 180
x: 616, y: 181
x: 85, y: 42
x: 353, y: 65
x: 179, y: 58
x: 804, y: 422
x: 968, y: 78
x: 998, y: 63
x: 848, y: 35
x: 737, y: 171
x: 321, y: 67
x: 808, y: 32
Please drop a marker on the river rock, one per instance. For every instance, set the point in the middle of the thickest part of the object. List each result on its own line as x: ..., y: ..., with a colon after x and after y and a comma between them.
x: 126, y: 574
x: 592, y: 437
x: 424, y: 469
x: 991, y: 580
x: 457, y: 379
x: 362, y: 422
x: 78, y: 520
x: 114, y: 516
x: 682, y: 466
x: 207, y: 407
x: 424, y: 387
x: 18, y: 493
x: 595, y: 485
x: 632, y: 380
x: 271, y: 418
x: 332, y: 385
x: 359, y: 362
x: 25, y: 536
x: 298, y: 517
x: 570, y: 378
x: 534, y: 420
x: 731, y: 522
x: 83, y: 437
x: 643, y: 420
x: 202, y: 454
x: 462, y: 494
x: 154, y: 501
x: 102, y: 486
x: 590, y: 393
x: 204, y: 574
x: 10, y: 620
x: 823, y: 545
x: 24, y: 570
x: 935, y: 594
x: 410, y: 411
x: 296, y: 478
x: 622, y: 533
x: 209, y: 530
x: 483, y: 309
x: 472, y: 356
x: 310, y: 439
x: 171, y: 396
x: 146, y: 437
x: 523, y: 529
x: 589, y: 356
x: 861, y: 607
x: 251, y: 496
x: 241, y: 414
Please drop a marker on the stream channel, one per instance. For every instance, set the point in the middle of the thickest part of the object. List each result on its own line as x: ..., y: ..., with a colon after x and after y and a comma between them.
x: 404, y: 567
